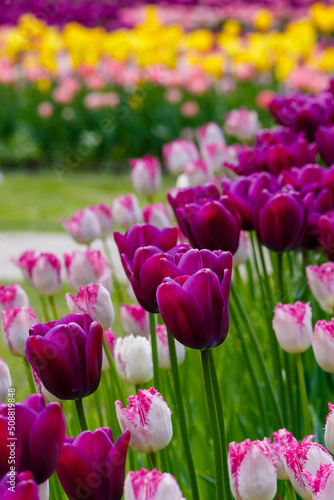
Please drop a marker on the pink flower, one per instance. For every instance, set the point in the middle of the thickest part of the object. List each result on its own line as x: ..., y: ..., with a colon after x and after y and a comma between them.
x: 323, y: 344
x: 163, y: 349
x: 252, y: 471
x: 135, y: 320
x: 177, y: 153
x: 322, y: 485
x: 156, y: 214
x: 41, y: 270
x: 84, y: 226
x: 111, y: 338
x: 283, y: 439
x: 189, y: 109
x: 133, y: 359
x: 211, y: 133
x: 242, y: 124
x: 84, y: 268
x: 12, y: 296
x: 45, y: 109
x: 173, y: 95
x: 126, y: 211
x: 264, y: 98
x: 321, y: 281
x: 5, y: 381
x: 148, y: 418
x: 197, y: 172
x: 292, y: 324
x: 214, y: 155
x: 146, y: 175
x: 94, y: 300
x: 103, y: 213
x: 151, y: 485
x: 329, y: 429
x: 15, y: 328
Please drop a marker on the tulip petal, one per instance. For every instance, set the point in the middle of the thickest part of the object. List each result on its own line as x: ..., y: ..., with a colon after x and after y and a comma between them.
x: 94, y: 356
x: 77, y: 475
x: 116, y: 466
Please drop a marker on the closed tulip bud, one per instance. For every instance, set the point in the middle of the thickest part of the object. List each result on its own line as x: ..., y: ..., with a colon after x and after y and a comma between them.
x: 177, y: 153
x: 329, y: 429
x: 42, y: 271
x: 163, y: 349
x: 15, y: 328
x: 151, y: 485
x: 252, y: 471
x: 156, y: 215
x: 145, y: 175
x: 133, y: 359
x: 148, y: 418
x: 84, y: 268
x: 242, y: 254
x: 282, y: 440
x: 67, y: 355
x: 321, y: 282
x: 242, y: 124
x: 94, y: 300
x: 135, y: 320
x: 5, y: 381
x: 103, y: 213
x: 292, y: 324
x: 323, y: 344
x: 25, y: 487
x: 211, y: 133
x: 126, y: 211
x: 84, y: 226
x: 12, y: 296
x: 197, y: 172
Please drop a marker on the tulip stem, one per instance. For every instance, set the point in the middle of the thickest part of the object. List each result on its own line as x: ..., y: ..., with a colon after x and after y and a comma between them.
x: 114, y: 374
x: 292, y: 491
x: 154, y: 351
x: 81, y: 415
x: 53, y: 306
x: 29, y: 375
x: 303, y: 394
x: 154, y: 460
x: 44, y: 308
x: 182, y: 416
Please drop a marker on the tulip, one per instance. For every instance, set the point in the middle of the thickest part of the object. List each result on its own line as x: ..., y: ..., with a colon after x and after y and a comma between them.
x: 179, y: 198
x: 283, y: 439
x: 103, y: 213
x: 67, y: 355
x: 15, y: 328
x: 323, y: 484
x: 42, y: 271
x: 215, y: 156
x: 84, y: 268
x: 242, y: 124
x: 25, y: 487
x: 94, y: 300
x: 197, y: 172
x: 146, y: 175
x: 12, y: 296
x: 163, y: 349
x: 242, y: 254
x: 40, y: 432
x: 151, y: 485
x: 40, y: 389
x: 324, y: 137
x: 133, y: 359
x: 329, y: 429
x: 126, y: 211
x: 195, y: 308
x: 298, y: 153
x: 84, y: 226
x: 292, y: 324
x: 321, y: 281
x: 318, y: 226
x: 177, y: 153
x: 211, y: 133
x: 156, y: 215
x: 5, y: 381
x: 326, y: 234
x: 135, y: 320
x: 323, y: 344
x: 149, y: 420
x: 252, y: 471
x: 92, y: 467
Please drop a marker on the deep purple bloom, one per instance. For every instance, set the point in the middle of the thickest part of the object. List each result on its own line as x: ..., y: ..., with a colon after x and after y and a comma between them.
x: 25, y: 487
x: 251, y: 160
x: 92, y: 467
x: 67, y: 355
x: 326, y: 234
x: 310, y: 178
x: 181, y: 197
x: 324, y: 137
x: 40, y: 433
x: 195, y: 308
x: 284, y: 156
x: 322, y: 202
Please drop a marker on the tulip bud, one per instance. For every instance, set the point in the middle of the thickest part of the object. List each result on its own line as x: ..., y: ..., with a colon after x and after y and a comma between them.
x: 135, y: 320
x: 84, y: 226
x: 148, y: 418
x: 15, y: 328
x: 329, y: 429
x: 242, y: 124
x: 5, y: 381
x: 163, y: 349
x: 151, y: 485
x: 177, y: 153
x: 252, y: 471
x: 242, y: 253
x: 323, y: 344
x: 12, y: 296
x: 103, y: 213
x: 157, y: 215
x: 211, y: 133
x: 126, y: 211
x: 321, y: 281
x: 42, y: 271
x: 292, y: 324
x: 197, y: 172
x: 94, y: 300
x: 84, y: 268
x: 133, y: 359
x: 283, y: 439
x: 146, y: 175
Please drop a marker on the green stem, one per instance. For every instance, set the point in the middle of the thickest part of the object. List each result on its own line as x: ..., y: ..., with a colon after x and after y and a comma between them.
x: 29, y: 375
x: 221, y: 423
x: 280, y: 276
x: 114, y: 375
x: 53, y: 306
x: 154, y: 351
x: 250, y: 278
x: 257, y: 266
x: 182, y: 417
x: 303, y: 394
x: 292, y: 491
x: 81, y: 415
x: 154, y: 460
x: 44, y: 308
x: 214, y: 425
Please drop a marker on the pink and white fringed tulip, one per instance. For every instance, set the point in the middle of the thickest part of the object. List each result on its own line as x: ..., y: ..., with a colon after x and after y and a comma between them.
x: 156, y: 215
x: 5, y: 381
x: 321, y: 281
x: 329, y: 429
x: 94, y: 300
x: 177, y: 153
x: 197, y: 172
x: 84, y: 226
x: 292, y: 324
x: 214, y: 156
x: 323, y: 344
x: 151, y: 485
x: 133, y: 359
x: 146, y: 175
x: 323, y: 485
x: 41, y: 270
x: 148, y: 418
x: 163, y: 349
x: 282, y: 440
x: 103, y: 213
x: 211, y: 133
x: 242, y: 254
x: 84, y: 268
x: 242, y: 124
x: 252, y: 471
x: 15, y: 328
x: 126, y: 211
x: 12, y: 296
x: 135, y: 320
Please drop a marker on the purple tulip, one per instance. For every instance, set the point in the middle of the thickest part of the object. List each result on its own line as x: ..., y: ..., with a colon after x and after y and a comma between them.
x: 284, y: 156
x: 324, y: 137
x: 322, y: 202
x: 23, y: 484
x: 251, y: 160
x: 309, y: 178
x: 181, y: 197
x: 40, y: 433
x: 67, y: 355
x: 326, y: 234
x: 92, y: 467
x: 195, y: 308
